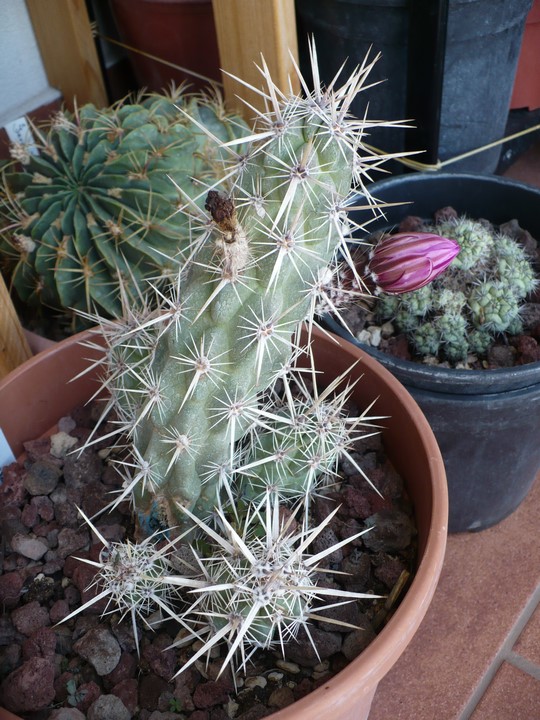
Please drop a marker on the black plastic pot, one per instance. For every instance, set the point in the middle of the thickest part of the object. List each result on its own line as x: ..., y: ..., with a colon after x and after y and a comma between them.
x: 349, y: 29
x: 482, y: 50
x: 487, y: 423
x: 458, y: 55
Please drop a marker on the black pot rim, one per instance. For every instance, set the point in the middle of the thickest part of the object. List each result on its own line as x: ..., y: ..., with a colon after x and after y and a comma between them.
x: 452, y: 177
x: 470, y: 189
x: 448, y: 380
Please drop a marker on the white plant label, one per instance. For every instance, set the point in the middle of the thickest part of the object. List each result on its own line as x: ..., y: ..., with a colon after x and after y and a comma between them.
x: 18, y: 131
x: 6, y: 456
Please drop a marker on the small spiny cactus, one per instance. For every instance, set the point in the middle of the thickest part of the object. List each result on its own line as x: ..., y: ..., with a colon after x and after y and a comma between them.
x: 478, y: 296
x: 94, y: 205
x: 259, y: 581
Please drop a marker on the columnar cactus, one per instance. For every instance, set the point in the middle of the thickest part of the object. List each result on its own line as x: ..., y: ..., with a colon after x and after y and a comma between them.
x: 96, y: 207
x: 479, y: 295
x: 187, y: 380
x: 224, y: 427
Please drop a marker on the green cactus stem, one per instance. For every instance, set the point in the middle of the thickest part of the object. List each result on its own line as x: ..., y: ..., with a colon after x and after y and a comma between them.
x: 214, y: 390
x: 186, y: 379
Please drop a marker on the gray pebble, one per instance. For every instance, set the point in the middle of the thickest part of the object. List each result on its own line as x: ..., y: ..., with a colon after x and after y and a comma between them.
x: 108, y: 707
x: 41, y: 478
x: 100, y: 648
x: 29, y: 547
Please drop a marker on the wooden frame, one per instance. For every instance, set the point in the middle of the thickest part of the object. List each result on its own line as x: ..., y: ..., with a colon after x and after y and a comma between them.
x: 68, y: 50
x: 247, y: 29
x: 14, y: 348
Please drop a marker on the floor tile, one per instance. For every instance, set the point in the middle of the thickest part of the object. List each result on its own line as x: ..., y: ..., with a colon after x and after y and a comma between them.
x: 512, y: 695
x: 487, y: 580
x: 528, y: 643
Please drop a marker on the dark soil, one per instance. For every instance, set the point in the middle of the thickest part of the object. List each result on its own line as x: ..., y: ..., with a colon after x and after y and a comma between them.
x: 506, y: 351
x: 88, y: 667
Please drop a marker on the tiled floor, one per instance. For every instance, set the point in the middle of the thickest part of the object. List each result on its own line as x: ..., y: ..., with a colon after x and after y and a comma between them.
x: 477, y: 654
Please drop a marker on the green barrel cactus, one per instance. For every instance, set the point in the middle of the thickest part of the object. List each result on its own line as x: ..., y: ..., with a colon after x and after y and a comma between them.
x: 478, y: 297
x: 95, y: 208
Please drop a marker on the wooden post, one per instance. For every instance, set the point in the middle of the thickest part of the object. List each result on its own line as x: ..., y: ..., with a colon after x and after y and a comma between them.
x: 14, y: 348
x: 64, y: 36
x: 247, y: 29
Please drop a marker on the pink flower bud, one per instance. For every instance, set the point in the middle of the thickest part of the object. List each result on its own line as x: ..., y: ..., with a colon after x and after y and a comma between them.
x: 407, y: 261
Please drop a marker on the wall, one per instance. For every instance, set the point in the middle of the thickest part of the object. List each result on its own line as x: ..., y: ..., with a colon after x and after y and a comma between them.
x: 23, y: 82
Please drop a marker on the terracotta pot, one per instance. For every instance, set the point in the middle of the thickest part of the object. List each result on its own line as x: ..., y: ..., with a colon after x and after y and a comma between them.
x: 34, y: 396
x: 6, y: 715
x: 526, y: 92
x: 37, y: 343
x: 179, y: 31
